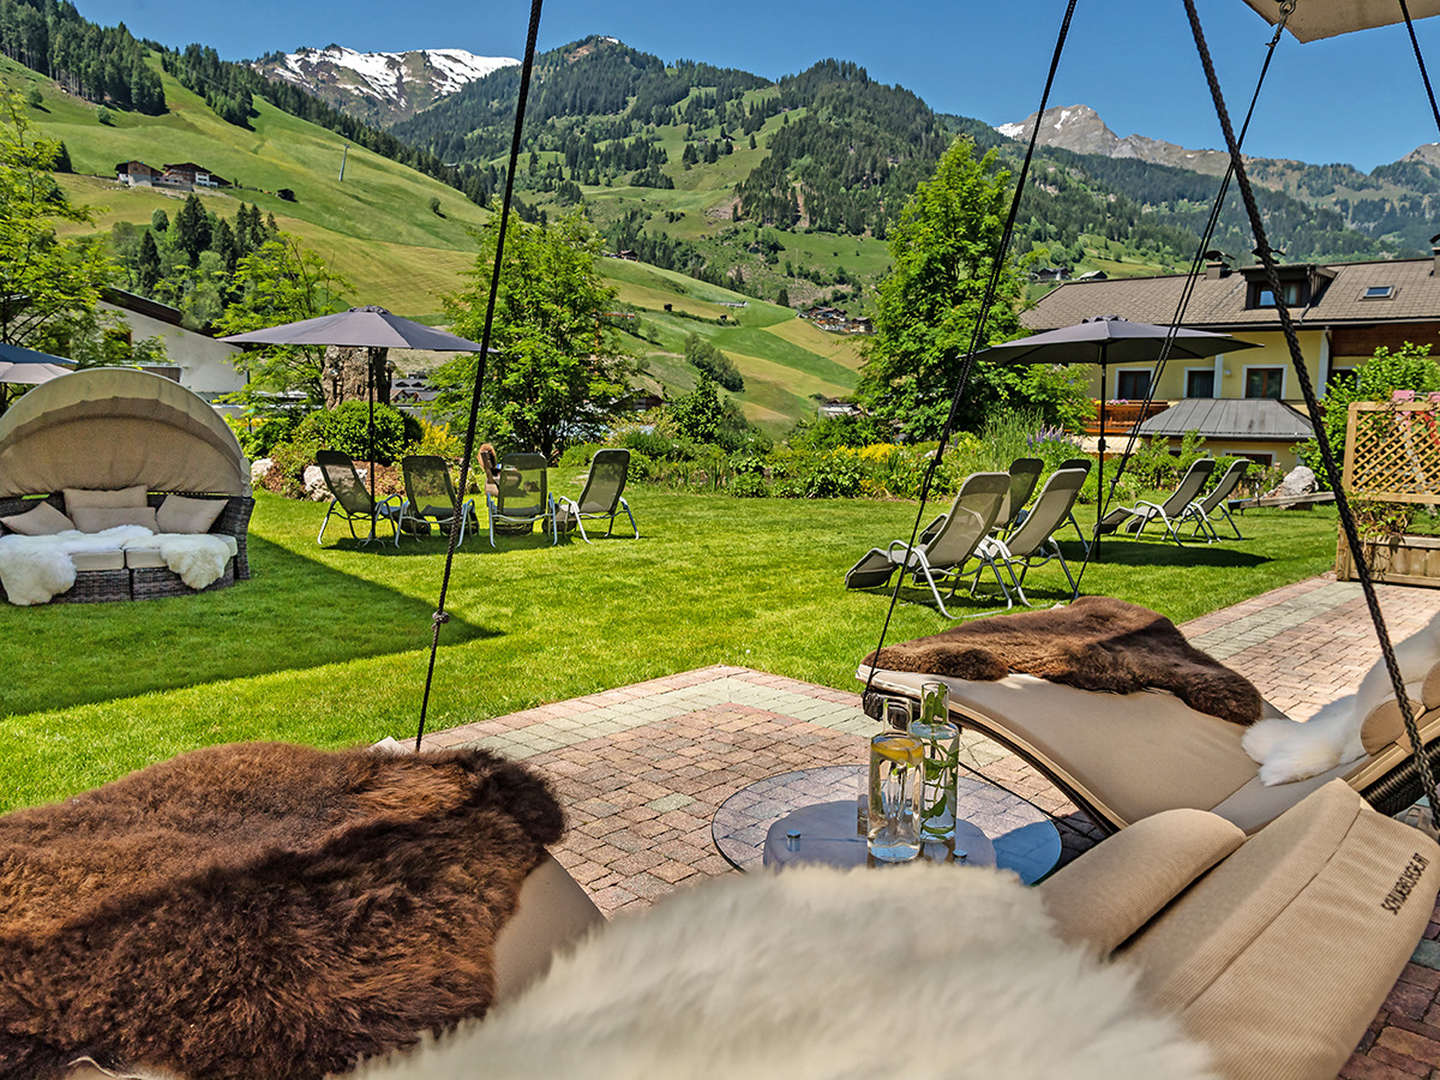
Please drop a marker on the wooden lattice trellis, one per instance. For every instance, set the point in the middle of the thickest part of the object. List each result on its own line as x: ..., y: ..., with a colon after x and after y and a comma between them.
x: 1392, y: 452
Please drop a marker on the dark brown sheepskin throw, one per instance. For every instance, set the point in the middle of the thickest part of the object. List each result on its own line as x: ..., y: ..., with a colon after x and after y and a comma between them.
x: 1096, y: 643
x: 261, y: 910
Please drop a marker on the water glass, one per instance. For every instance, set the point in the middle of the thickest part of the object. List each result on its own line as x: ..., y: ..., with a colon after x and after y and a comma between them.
x: 939, y: 738
x: 896, y: 770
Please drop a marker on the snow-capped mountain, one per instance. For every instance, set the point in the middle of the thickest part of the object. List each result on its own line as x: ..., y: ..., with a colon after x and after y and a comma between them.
x: 381, y: 87
x: 1079, y: 128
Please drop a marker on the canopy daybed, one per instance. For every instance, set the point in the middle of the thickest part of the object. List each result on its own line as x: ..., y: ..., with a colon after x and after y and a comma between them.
x: 105, y: 430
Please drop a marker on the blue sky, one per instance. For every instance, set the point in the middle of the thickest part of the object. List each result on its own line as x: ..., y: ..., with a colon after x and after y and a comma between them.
x: 1356, y: 99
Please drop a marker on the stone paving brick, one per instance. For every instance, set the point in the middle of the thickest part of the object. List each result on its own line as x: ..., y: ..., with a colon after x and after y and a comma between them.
x: 642, y: 769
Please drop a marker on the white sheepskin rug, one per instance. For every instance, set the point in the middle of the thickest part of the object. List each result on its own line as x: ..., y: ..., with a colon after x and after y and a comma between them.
x: 1289, y: 750
x: 36, y: 569
x: 923, y: 970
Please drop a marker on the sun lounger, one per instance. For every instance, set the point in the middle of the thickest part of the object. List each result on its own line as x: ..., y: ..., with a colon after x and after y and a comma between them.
x: 522, y: 497
x: 1024, y: 476
x: 955, y: 540
x: 1133, y: 519
x: 602, y: 496
x: 1033, y: 542
x: 430, y: 497
x: 350, y: 498
x: 1201, y: 510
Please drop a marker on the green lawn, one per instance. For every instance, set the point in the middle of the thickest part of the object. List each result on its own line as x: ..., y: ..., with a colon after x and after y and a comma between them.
x: 328, y: 645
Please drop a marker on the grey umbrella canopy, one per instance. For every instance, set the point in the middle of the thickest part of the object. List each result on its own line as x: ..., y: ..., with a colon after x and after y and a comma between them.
x: 30, y: 374
x: 1313, y: 19
x: 1106, y: 340
x: 360, y: 328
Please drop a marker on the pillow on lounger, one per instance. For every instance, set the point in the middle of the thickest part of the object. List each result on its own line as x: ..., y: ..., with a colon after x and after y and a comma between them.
x: 178, y: 514
x: 44, y: 520
x: 78, y: 497
x: 1376, y: 709
x: 94, y: 519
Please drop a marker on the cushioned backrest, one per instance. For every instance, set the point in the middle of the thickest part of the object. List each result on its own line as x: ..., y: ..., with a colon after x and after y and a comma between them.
x: 1282, y: 954
x: 1375, y: 706
x: 1114, y: 889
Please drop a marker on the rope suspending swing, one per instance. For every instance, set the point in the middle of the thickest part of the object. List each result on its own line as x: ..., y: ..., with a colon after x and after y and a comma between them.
x: 977, y: 336
x: 1312, y: 405
x: 441, y: 616
x: 1104, y: 499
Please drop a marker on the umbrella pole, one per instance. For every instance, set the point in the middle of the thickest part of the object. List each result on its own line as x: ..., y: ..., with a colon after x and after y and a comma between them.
x: 370, y: 431
x: 1100, y: 476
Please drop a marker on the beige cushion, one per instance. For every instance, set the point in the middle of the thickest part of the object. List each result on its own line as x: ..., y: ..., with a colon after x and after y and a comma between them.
x: 93, y: 519
x: 78, y: 497
x: 179, y: 514
x: 1128, y: 755
x: 42, y: 520
x: 1114, y: 889
x: 1418, y: 657
x: 1280, y: 957
x: 553, y: 912
x: 98, y: 560
x: 144, y: 558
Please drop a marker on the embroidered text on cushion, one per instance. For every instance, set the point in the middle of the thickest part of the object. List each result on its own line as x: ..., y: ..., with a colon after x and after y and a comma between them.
x: 43, y: 520
x: 269, y: 910
x: 1097, y: 643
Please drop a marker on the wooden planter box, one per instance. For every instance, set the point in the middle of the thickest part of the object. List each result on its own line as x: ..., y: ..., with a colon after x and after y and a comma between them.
x: 1397, y: 560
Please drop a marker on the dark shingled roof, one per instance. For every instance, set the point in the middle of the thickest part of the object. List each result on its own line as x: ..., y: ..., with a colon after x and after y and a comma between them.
x: 1219, y: 303
x: 1230, y: 418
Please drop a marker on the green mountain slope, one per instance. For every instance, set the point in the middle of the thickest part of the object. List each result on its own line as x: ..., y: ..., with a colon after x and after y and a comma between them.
x: 376, y: 227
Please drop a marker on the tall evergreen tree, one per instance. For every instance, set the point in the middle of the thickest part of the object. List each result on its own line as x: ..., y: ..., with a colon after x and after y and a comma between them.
x: 192, y: 229
x: 147, y: 267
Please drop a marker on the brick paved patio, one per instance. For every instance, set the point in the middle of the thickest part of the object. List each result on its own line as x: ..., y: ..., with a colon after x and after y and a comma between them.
x: 642, y: 769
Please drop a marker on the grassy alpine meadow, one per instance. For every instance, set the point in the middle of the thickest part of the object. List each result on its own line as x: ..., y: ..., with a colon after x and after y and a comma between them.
x: 328, y: 645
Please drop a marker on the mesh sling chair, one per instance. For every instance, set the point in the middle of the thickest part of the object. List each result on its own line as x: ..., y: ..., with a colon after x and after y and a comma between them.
x: 602, y: 496
x: 1033, y: 541
x: 1200, y: 510
x: 430, y: 497
x: 1024, y: 474
x: 522, y: 497
x: 957, y: 538
x: 1171, y: 512
x: 350, y: 499
x: 1085, y: 464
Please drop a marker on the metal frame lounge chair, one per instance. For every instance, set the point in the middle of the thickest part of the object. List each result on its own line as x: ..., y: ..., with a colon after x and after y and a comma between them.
x: 956, y: 540
x: 430, y: 497
x: 602, y: 496
x: 522, y: 496
x: 1200, y: 510
x: 1134, y: 519
x: 1086, y: 464
x: 349, y: 498
x: 1033, y: 542
x: 1024, y: 476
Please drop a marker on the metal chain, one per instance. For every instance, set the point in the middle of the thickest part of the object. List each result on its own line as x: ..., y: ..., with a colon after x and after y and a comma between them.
x: 441, y: 616
x: 977, y: 336
x: 1312, y: 406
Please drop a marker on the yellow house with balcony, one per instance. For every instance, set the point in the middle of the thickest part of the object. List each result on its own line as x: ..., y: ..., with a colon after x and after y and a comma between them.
x: 1342, y: 312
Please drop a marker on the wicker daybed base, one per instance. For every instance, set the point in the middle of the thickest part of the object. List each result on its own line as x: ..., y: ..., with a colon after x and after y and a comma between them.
x: 150, y: 583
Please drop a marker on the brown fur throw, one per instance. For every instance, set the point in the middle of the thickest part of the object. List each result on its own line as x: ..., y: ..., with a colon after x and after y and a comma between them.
x: 261, y: 910
x: 1096, y: 643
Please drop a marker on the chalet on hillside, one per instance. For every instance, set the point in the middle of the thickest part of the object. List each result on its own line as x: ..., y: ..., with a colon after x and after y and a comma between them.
x: 1342, y: 313
x: 135, y: 173
x: 198, y: 175
x: 184, y: 176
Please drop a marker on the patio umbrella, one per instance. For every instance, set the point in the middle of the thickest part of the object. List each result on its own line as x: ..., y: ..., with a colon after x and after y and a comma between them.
x: 31, y: 374
x: 1314, y: 19
x: 1106, y: 340
x: 360, y: 328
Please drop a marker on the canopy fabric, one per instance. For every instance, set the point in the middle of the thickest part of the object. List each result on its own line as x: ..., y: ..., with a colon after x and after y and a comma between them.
x: 362, y: 327
x: 113, y: 428
x: 1315, y: 19
x: 16, y: 354
x: 30, y: 374
x: 1111, y: 340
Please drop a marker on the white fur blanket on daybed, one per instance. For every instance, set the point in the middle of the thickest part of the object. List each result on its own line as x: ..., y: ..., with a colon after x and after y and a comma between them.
x: 922, y: 970
x: 36, y: 569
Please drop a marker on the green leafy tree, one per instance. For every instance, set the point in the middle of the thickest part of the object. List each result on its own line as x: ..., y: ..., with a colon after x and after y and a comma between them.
x: 278, y: 283
x: 559, y: 366
x: 160, y: 221
x: 698, y: 414
x: 1410, y: 367
x: 927, y: 306
x: 45, y: 281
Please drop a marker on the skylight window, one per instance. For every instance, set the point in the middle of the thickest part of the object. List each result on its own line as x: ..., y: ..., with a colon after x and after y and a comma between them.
x: 1378, y: 292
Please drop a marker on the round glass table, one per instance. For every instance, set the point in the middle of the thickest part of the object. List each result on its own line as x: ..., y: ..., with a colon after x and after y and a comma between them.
x: 813, y: 815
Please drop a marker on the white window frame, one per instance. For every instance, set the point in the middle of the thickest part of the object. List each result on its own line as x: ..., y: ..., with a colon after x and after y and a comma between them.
x: 1202, y: 369
x: 1284, y: 379
x: 1148, y: 370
